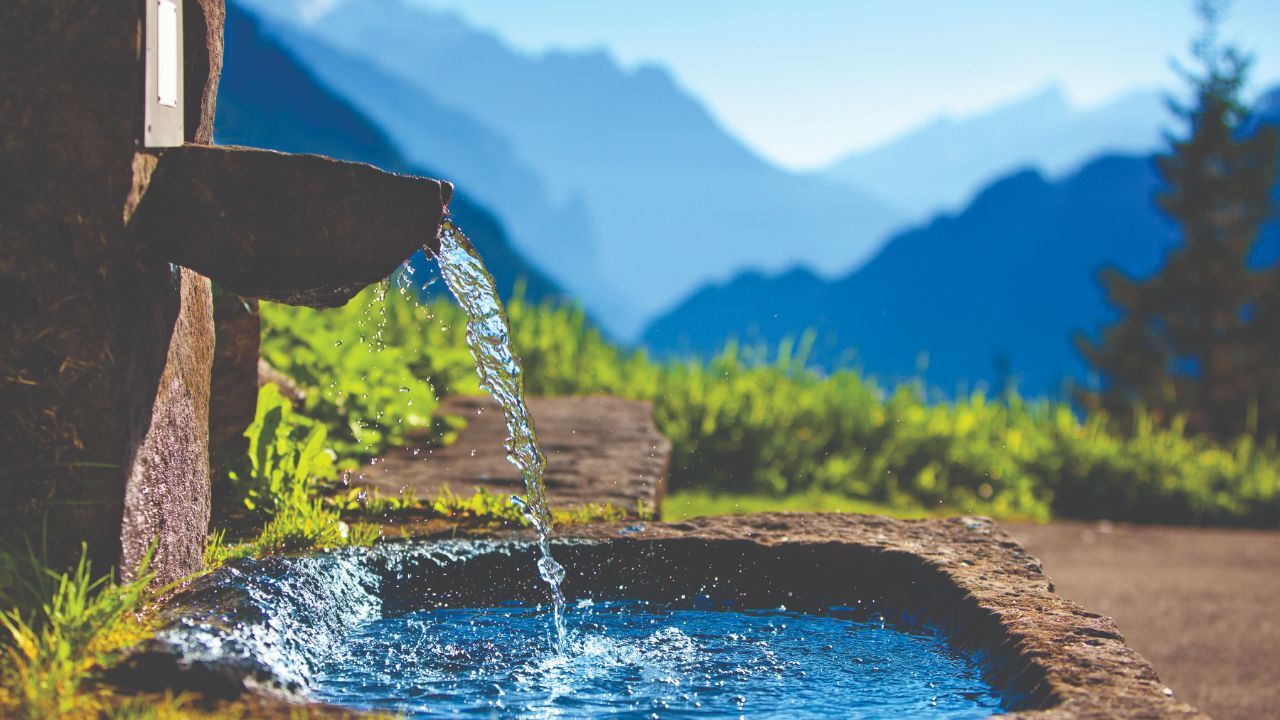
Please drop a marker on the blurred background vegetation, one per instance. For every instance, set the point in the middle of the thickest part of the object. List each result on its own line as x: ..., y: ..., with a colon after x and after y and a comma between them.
x: 1181, y: 429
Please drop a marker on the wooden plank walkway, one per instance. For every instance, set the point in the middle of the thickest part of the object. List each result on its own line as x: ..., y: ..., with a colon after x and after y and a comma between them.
x: 599, y: 450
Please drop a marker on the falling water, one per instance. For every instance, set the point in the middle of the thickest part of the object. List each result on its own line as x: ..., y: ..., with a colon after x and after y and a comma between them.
x: 489, y: 337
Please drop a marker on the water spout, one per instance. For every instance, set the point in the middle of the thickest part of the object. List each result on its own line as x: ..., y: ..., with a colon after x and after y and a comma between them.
x: 307, y: 231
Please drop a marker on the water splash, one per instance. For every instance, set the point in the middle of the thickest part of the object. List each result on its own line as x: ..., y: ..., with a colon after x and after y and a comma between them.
x: 489, y: 338
x: 632, y: 659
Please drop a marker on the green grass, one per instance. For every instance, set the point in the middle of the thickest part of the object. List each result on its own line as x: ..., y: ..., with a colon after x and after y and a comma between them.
x: 310, y: 526
x: 694, y: 504
x: 63, y: 628
x: 283, y: 480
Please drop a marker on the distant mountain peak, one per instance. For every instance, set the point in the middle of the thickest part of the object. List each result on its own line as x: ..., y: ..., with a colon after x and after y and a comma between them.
x: 1051, y: 97
x: 998, y: 286
x: 937, y: 167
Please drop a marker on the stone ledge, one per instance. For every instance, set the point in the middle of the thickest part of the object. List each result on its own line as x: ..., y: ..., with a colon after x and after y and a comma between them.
x: 297, y: 229
x: 599, y: 450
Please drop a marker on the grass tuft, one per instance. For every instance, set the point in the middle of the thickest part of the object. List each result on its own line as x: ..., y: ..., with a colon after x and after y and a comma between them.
x: 73, y: 625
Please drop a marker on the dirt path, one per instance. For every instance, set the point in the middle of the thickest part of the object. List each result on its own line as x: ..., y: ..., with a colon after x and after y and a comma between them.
x: 1202, y: 605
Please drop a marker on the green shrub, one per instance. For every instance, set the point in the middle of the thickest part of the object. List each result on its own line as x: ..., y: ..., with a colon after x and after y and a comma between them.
x: 281, y: 479
x: 370, y: 400
x: 287, y: 456
x: 1159, y: 474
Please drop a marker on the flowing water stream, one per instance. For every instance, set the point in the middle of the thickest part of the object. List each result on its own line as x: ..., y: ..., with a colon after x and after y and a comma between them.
x: 489, y: 337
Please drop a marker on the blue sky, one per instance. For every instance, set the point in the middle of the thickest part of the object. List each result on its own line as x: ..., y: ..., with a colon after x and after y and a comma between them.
x: 807, y: 80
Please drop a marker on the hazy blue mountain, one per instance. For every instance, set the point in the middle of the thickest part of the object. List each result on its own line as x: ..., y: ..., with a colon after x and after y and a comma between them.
x: 939, y: 167
x: 672, y: 199
x: 469, y: 154
x: 268, y: 99
x: 998, y: 289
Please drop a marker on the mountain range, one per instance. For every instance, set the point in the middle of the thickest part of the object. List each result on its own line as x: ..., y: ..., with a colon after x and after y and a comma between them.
x: 618, y: 186
x: 668, y: 198
x: 941, y: 166
x: 992, y: 293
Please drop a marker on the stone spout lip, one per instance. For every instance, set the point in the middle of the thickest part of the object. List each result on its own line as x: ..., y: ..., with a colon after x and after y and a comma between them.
x: 297, y: 229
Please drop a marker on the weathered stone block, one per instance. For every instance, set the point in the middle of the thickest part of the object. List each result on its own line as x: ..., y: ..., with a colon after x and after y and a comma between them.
x: 234, y: 393
x: 599, y: 450
x: 299, y: 229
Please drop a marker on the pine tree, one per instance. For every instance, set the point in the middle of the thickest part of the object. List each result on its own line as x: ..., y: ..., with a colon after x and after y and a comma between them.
x: 1201, y: 338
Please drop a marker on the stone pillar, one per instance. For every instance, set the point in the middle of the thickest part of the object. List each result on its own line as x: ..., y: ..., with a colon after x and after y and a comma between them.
x: 91, y: 379
x: 234, y: 389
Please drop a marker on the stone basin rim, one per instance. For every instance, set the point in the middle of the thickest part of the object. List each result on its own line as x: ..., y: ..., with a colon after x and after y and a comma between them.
x: 963, y: 576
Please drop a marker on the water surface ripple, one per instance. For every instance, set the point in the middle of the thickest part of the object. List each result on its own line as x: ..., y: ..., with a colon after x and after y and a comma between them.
x: 633, y: 659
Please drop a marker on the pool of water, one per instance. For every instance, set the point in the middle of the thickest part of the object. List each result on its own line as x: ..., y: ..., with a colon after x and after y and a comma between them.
x: 635, y: 659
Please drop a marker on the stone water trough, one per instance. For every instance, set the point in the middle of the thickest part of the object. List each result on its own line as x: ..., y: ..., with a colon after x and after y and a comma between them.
x: 963, y: 577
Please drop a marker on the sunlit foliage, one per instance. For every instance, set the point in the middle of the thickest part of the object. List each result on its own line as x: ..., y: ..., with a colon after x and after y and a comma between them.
x: 750, y: 424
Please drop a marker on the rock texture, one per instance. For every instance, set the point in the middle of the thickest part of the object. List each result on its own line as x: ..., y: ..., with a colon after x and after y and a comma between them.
x: 599, y: 450
x: 234, y: 395
x: 167, y: 487
x: 299, y: 229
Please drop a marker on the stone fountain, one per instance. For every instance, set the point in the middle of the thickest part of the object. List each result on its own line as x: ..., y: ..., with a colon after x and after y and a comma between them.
x: 116, y: 215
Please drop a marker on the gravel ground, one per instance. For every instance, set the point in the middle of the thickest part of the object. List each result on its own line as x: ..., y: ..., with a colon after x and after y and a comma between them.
x: 1203, y: 605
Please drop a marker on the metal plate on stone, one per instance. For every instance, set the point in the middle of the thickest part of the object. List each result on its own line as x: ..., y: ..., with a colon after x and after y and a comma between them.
x: 163, y: 113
